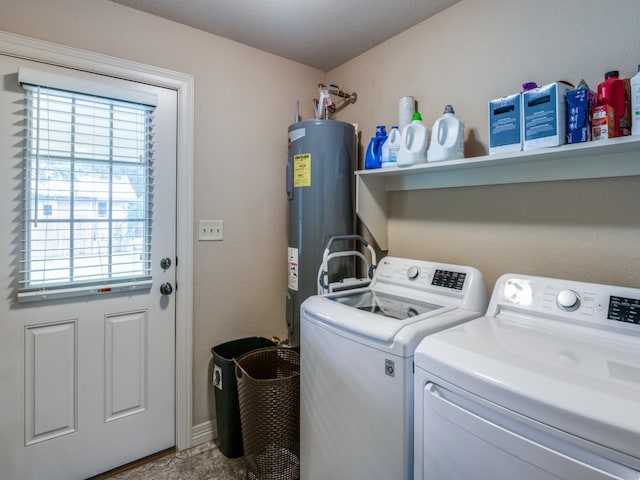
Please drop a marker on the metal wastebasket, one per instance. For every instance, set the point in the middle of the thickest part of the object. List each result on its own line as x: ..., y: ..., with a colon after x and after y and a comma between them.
x: 269, y: 395
x: 226, y: 391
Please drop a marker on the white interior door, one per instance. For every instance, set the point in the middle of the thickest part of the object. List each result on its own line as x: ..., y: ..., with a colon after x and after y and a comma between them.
x: 86, y: 383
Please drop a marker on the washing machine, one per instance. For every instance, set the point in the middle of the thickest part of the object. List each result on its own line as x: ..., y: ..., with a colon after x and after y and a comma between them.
x: 357, y: 347
x: 545, y: 386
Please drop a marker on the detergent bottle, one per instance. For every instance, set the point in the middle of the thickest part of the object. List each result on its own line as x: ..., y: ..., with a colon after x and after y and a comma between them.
x: 447, y: 138
x: 391, y: 147
x: 373, y: 156
x: 635, y: 103
x: 612, y: 92
x: 415, y: 140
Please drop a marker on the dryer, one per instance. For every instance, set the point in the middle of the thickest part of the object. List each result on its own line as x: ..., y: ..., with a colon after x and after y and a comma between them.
x: 545, y: 386
x: 356, y: 365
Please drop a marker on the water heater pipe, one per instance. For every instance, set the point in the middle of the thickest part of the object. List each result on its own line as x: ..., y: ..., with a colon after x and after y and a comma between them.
x: 331, y: 108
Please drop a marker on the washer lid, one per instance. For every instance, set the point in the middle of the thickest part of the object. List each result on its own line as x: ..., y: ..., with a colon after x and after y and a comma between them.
x: 382, y: 322
x: 389, y: 306
x: 581, y: 380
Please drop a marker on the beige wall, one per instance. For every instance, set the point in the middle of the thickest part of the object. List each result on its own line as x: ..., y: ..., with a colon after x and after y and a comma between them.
x: 466, y: 55
x: 244, y: 101
x: 479, y: 50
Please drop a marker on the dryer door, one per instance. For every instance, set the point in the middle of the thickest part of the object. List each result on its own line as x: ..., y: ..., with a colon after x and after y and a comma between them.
x: 465, y: 437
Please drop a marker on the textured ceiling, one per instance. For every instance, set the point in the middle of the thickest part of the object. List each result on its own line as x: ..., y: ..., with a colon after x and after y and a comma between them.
x: 320, y: 33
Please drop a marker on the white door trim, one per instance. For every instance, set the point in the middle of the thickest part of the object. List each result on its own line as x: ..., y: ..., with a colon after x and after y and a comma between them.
x: 46, y: 52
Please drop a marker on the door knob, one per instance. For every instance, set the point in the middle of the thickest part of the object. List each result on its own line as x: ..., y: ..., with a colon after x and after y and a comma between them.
x: 166, y: 288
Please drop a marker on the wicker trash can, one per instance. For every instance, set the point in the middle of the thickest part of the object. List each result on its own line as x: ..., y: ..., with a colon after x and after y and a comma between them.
x: 269, y: 395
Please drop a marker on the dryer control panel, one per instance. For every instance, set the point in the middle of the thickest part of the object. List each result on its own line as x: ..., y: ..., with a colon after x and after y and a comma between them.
x: 594, y: 303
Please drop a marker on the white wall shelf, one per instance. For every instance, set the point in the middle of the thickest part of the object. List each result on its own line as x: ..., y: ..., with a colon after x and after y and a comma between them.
x: 616, y: 157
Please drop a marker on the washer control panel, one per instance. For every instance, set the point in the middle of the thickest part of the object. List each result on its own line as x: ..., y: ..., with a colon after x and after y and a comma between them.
x: 584, y: 301
x: 425, y: 276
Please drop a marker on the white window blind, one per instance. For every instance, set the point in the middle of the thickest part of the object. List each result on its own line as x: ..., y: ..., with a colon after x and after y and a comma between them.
x: 88, y: 194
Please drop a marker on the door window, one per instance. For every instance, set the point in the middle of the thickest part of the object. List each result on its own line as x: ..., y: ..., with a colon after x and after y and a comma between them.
x: 88, y: 194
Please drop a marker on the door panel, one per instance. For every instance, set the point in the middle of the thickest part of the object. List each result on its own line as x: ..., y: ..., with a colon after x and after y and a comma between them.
x: 50, y: 381
x: 86, y: 384
x: 125, y: 373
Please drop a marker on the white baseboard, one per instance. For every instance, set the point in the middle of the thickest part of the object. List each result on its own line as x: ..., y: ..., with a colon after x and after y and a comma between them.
x: 203, y: 432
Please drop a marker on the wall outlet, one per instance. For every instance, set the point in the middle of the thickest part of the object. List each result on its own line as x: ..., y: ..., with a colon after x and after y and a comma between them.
x: 210, y: 230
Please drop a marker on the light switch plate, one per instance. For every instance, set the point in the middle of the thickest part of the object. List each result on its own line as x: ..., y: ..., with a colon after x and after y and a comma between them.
x: 209, y: 230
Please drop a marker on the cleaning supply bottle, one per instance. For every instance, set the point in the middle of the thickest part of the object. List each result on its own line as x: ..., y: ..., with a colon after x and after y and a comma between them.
x: 391, y: 147
x: 612, y: 92
x: 415, y: 140
x: 373, y: 156
x: 635, y: 103
x: 406, y: 109
x: 447, y: 138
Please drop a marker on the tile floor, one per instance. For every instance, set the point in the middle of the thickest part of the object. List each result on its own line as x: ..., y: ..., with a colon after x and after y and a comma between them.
x: 203, y: 462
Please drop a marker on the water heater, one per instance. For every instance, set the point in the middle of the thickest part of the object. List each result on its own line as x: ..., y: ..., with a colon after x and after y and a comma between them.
x: 320, y: 168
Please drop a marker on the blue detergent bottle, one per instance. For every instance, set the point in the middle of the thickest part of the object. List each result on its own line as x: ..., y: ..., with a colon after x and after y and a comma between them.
x: 373, y: 157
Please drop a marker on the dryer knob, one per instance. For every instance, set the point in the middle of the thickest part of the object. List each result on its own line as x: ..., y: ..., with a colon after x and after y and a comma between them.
x: 413, y: 273
x: 568, y: 300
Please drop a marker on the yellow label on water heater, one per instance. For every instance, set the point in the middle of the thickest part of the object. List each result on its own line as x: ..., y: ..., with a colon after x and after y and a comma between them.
x: 302, y: 170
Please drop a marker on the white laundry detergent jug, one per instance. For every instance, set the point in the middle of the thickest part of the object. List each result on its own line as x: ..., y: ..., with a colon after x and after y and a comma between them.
x: 391, y: 148
x: 447, y: 138
x: 415, y: 140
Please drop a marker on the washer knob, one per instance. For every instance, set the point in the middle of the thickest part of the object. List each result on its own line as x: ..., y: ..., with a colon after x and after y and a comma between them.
x: 413, y: 273
x: 568, y: 300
